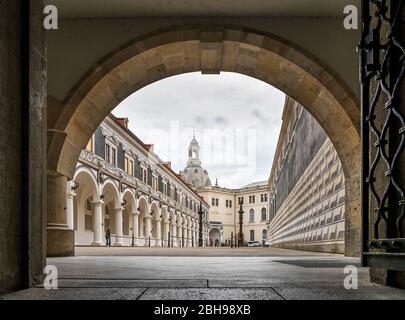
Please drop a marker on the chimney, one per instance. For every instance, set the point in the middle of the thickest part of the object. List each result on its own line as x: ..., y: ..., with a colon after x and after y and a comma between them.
x: 167, y: 164
x: 123, y: 122
x: 149, y: 147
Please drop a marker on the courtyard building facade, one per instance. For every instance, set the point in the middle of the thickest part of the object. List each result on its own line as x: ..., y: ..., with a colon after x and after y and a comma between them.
x: 224, y: 225
x: 120, y: 185
x: 307, y: 186
x: 224, y: 204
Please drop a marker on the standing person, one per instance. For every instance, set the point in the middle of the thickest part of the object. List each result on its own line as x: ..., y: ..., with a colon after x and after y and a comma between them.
x: 108, y: 237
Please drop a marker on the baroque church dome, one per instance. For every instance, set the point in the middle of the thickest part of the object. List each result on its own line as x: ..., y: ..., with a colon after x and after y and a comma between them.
x: 194, y: 174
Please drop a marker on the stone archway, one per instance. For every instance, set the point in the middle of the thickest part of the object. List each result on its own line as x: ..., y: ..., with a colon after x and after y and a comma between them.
x: 215, y: 237
x: 211, y: 50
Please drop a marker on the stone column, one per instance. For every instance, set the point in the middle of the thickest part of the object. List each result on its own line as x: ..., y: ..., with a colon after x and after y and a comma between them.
x: 158, y: 241
x: 141, y: 222
x: 180, y: 235
x: 118, y: 227
x: 70, y: 208
x: 174, y: 234
x: 166, y: 233
x: 148, y: 228
x: 185, y: 232
x: 135, y: 227
x: 98, y: 223
x: 60, y: 240
x: 189, y: 237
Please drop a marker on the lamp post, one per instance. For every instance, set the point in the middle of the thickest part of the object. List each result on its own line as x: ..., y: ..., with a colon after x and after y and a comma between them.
x: 240, y: 222
x: 200, y: 226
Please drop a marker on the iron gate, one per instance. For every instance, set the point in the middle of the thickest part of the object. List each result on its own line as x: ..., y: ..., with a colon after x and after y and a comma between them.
x: 382, y: 68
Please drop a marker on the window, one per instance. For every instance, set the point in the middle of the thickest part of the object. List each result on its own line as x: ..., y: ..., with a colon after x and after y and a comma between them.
x: 129, y: 165
x: 216, y: 202
x: 213, y: 201
x: 240, y: 200
x: 252, y: 235
x: 113, y: 159
x: 110, y: 154
x: 264, y: 214
x: 263, y: 197
x: 171, y: 192
x: 155, y: 183
x: 251, y: 199
x: 107, y: 152
x: 229, y: 203
x: 251, y: 215
x: 144, y: 175
x: 264, y: 234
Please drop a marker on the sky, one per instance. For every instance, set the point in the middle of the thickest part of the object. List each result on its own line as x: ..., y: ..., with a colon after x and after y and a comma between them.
x: 236, y: 120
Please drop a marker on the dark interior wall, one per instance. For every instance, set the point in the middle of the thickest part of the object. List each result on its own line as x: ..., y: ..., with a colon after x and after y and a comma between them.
x: 308, y: 139
x: 22, y: 144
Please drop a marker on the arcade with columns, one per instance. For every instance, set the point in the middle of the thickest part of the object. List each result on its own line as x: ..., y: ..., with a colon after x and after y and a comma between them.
x: 130, y: 191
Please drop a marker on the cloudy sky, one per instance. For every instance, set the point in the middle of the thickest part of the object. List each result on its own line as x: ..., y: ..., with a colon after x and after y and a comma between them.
x: 236, y: 120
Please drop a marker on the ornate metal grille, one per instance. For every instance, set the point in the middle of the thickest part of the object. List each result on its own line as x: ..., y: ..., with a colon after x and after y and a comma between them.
x: 382, y: 69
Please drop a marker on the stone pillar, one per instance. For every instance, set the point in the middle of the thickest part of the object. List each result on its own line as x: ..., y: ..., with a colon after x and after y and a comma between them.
x: 158, y: 241
x: 23, y: 169
x: 166, y: 233
x: 135, y: 227
x: 118, y: 227
x: 70, y: 208
x: 98, y: 222
x: 148, y: 228
x: 60, y: 240
x: 180, y: 236
x: 174, y: 235
x: 189, y: 237
x: 141, y: 222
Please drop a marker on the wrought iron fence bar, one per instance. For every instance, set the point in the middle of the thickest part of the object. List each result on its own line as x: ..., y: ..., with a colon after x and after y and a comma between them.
x: 364, y: 128
x: 382, y: 69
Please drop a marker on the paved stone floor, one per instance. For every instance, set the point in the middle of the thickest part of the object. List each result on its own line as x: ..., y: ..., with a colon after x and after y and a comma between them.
x: 205, y: 273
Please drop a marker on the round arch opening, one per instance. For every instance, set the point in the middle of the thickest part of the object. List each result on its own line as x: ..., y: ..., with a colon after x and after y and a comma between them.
x: 262, y: 56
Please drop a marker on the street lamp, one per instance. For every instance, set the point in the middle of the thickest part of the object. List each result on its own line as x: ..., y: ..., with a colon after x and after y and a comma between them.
x: 240, y: 223
x: 200, y: 227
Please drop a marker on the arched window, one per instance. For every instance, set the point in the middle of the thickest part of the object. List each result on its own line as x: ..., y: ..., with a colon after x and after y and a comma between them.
x: 251, y: 215
x: 264, y: 214
x: 264, y: 234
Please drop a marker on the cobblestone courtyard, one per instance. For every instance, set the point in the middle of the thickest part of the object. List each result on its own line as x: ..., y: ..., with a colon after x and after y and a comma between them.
x: 205, y: 273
